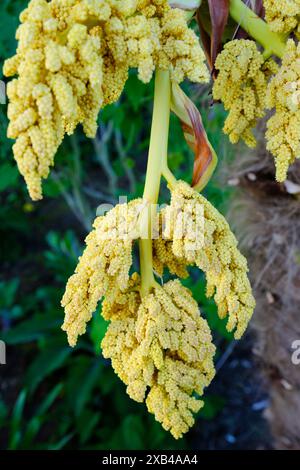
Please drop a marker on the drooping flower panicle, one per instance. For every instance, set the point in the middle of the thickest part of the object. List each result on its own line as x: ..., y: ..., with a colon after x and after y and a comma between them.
x: 248, y: 85
x: 73, y: 58
x: 162, y: 350
x: 241, y: 85
x: 207, y: 242
x: 103, y: 269
x: 159, y: 345
x: 283, y: 128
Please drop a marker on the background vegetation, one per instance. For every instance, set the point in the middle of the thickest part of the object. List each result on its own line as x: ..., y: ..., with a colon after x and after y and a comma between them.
x: 53, y: 397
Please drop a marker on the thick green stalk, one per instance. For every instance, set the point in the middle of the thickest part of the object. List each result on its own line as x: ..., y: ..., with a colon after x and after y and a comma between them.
x: 158, y: 150
x: 257, y: 28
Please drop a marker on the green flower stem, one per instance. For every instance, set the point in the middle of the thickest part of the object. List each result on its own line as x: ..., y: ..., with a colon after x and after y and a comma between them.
x: 158, y: 150
x: 257, y: 28
x: 169, y: 176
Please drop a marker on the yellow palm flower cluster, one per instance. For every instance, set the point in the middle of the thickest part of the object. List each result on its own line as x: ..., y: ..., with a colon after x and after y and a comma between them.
x: 162, y: 350
x: 73, y: 58
x: 241, y: 85
x: 203, y: 238
x: 283, y: 128
x: 103, y: 269
x: 283, y: 16
x: 159, y: 344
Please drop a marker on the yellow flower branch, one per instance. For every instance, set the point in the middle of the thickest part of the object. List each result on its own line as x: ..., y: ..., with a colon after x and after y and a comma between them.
x: 257, y: 28
x: 169, y: 176
x: 158, y: 150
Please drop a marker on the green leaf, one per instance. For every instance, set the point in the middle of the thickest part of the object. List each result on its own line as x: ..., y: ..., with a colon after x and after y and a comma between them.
x: 86, y: 386
x: 62, y: 443
x: 97, y: 331
x: 135, y: 91
x: 49, y: 360
x: 32, y: 430
x: 49, y: 399
x: 86, y: 424
x: 52, y: 189
x: 3, y: 411
x: 8, y: 42
x: 8, y: 290
x: 36, y: 422
x: 32, y: 329
x: 129, y: 162
x: 131, y: 430
x: 8, y: 176
x: 16, y: 420
x: 83, y: 377
x: 213, y: 404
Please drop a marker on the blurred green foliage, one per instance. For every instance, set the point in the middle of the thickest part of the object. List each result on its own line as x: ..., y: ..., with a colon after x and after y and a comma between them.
x: 53, y: 397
